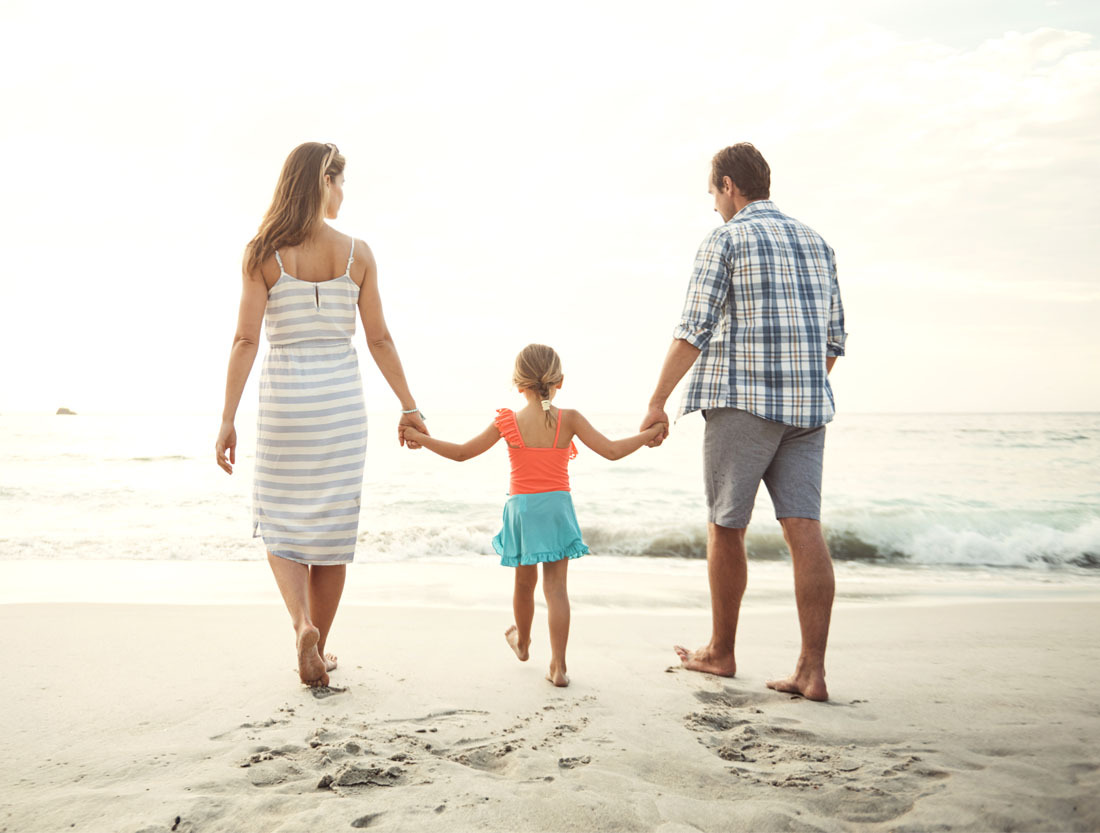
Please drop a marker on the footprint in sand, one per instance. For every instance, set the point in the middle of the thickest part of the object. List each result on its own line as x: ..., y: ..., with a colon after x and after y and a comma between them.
x: 366, y: 821
x: 322, y: 692
x: 487, y: 758
x: 573, y: 763
x: 878, y: 783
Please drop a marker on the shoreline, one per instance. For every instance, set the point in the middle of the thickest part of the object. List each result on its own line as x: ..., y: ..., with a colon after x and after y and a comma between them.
x: 604, y: 584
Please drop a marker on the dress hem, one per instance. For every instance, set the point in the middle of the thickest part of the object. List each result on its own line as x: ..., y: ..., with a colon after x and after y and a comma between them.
x: 301, y: 560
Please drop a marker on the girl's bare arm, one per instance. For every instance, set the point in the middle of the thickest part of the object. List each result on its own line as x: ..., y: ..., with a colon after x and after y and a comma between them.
x: 611, y: 449
x: 453, y: 451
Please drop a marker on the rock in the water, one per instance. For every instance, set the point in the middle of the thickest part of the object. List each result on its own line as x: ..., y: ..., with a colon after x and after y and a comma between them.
x: 65, y: 412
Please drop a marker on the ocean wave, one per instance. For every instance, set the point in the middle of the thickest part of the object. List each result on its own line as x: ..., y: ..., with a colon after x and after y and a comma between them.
x: 1026, y: 545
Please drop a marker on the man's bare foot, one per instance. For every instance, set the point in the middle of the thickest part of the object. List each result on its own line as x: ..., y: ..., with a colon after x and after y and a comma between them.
x: 311, y: 668
x: 557, y: 676
x: 330, y: 662
x: 810, y: 686
x: 512, y: 635
x: 704, y: 660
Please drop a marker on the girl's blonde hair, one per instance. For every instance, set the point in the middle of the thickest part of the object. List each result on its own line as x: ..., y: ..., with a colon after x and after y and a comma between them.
x: 538, y: 369
x: 298, y: 204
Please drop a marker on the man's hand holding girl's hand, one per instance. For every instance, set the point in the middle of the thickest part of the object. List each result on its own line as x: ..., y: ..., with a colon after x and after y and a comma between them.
x: 659, y: 429
x: 654, y: 417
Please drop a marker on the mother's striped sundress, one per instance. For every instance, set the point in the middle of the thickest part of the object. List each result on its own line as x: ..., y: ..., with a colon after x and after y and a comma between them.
x: 311, y: 440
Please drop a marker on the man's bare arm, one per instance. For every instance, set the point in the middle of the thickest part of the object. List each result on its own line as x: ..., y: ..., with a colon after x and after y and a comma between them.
x: 678, y: 361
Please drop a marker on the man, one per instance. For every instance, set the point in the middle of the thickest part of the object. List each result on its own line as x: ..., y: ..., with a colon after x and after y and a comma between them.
x: 763, y: 325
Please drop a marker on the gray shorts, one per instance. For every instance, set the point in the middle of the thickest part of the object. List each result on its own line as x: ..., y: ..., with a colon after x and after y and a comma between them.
x: 741, y: 449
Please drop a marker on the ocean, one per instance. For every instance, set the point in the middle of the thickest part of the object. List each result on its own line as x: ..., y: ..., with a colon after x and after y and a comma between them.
x: 1001, y: 492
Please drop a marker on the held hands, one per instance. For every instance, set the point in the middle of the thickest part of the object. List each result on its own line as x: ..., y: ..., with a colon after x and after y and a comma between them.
x: 411, y: 424
x: 411, y: 437
x: 655, y: 418
x: 227, y: 441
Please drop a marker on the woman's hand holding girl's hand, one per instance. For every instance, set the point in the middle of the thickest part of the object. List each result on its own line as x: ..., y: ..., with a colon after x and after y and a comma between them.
x: 227, y: 441
x: 411, y: 424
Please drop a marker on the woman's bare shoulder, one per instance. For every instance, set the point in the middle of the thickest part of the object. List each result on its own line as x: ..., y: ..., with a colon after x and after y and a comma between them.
x: 267, y: 273
x: 362, y: 265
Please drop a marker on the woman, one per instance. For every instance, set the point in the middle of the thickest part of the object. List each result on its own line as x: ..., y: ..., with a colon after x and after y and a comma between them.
x: 312, y: 434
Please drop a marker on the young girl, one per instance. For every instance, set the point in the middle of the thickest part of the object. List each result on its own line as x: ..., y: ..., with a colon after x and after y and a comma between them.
x: 540, y: 526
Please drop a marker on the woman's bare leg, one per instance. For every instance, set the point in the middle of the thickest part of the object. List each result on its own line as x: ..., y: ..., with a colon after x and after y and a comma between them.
x: 523, y: 608
x: 557, y: 608
x: 326, y: 586
x: 293, y: 581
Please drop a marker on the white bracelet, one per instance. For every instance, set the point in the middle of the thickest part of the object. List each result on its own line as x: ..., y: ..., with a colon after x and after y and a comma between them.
x: 415, y: 411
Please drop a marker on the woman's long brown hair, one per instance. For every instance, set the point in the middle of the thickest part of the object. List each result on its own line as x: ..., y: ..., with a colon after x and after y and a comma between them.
x: 298, y: 203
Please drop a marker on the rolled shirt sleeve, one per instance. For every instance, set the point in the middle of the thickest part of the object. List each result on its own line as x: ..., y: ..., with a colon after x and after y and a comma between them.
x: 708, y: 291
x: 834, y: 340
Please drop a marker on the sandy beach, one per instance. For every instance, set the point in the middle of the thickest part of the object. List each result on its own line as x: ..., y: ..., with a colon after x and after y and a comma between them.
x: 947, y: 713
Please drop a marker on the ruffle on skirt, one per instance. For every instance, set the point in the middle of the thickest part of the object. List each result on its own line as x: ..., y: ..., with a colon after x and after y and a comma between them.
x: 538, y: 528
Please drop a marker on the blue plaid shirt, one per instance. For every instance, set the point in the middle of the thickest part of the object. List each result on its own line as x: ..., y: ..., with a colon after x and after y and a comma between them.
x: 764, y: 308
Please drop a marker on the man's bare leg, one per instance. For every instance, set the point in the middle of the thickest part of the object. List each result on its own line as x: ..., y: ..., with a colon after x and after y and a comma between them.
x: 523, y: 608
x: 293, y: 581
x: 814, y: 586
x: 326, y: 586
x: 554, y: 575
x: 727, y: 569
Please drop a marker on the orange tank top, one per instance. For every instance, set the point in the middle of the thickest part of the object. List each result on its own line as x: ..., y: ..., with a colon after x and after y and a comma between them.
x: 534, y: 469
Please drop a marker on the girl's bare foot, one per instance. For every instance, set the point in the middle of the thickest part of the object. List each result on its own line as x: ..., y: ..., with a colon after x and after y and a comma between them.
x: 311, y: 668
x: 558, y: 676
x: 330, y: 662
x: 512, y: 636
x: 707, y: 662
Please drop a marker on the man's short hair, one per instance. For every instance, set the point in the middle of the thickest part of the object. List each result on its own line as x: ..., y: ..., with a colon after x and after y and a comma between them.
x: 745, y: 165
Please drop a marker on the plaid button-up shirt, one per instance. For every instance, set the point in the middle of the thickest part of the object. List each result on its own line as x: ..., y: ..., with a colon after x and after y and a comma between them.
x: 764, y: 308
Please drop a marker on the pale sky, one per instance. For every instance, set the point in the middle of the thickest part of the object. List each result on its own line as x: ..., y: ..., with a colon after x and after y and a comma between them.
x: 538, y: 172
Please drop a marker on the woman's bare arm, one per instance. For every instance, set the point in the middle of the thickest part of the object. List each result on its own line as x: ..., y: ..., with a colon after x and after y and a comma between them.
x: 380, y: 342
x: 246, y: 343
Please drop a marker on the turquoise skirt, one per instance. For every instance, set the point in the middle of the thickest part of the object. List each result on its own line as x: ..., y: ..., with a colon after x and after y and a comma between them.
x: 538, y: 528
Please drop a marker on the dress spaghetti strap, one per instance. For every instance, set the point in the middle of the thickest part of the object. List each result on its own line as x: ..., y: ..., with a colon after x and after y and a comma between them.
x: 351, y: 257
x: 558, y: 432
x: 279, y: 260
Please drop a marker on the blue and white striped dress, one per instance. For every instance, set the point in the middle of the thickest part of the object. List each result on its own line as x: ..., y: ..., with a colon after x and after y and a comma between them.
x: 311, y: 441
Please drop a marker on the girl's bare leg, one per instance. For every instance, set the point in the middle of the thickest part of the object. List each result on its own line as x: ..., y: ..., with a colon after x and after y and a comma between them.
x: 293, y: 581
x: 557, y: 608
x: 523, y: 607
x: 326, y: 586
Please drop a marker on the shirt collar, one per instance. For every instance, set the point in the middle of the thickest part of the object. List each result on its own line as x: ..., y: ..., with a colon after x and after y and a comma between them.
x: 754, y: 207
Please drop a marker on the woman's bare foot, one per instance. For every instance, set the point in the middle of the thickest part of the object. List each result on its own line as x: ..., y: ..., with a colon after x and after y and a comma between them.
x: 330, y: 662
x: 809, y: 685
x: 512, y: 636
x: 311, y: 668
x: 557, y: 676
x: 706, y: 661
